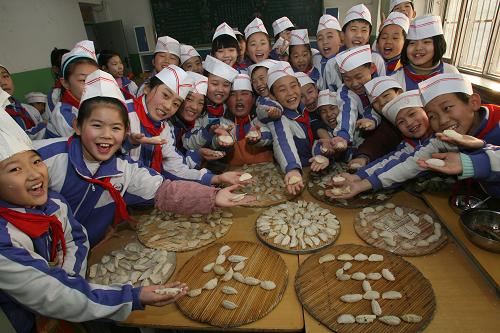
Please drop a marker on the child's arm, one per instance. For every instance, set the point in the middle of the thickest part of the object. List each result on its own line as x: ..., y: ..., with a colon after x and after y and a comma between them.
x: 267, y: 110
x: 379, y: 63
x: 284, y: 148
x: 200, y: 136
x: 266, y: 137
x: 61, y: 120
x: 346, y: 120
x: 402, y: 150
x: 333, y: 79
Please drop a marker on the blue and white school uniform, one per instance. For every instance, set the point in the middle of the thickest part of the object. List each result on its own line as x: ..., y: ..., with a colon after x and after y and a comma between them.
x: 179, y: 128
x: 18, y: 111
x: 485, y: 165
x: 200, y: 135
x: 61, y: 120
x: 329, y: 76
x: 409, y: 79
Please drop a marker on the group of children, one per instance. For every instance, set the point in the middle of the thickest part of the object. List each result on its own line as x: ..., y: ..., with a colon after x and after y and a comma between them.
x: 70, y: 168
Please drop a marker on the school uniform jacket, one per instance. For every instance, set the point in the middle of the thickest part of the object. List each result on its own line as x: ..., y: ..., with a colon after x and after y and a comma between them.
x: 27, y: 117
x: 200, y: 135
x: 486, y: 167
x: 239, y: 131
x: 61, y: 120
x: 129, y: 86
x: 179, y: 128
x: 329, y: 75
x: 397, y: 172
x: 409, y: 80
x: 30, y: 285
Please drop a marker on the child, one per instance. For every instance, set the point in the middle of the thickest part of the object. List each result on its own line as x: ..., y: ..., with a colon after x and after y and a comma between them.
x: 220, y: 77
x: 308, y: 91
x: 191, y: 59
x: 167, y: 52
x: 282, y: 28
x: 450, y: 104
x: 328, y: 39
x: 111, y: 62
x: 54, y: 94
x: 43, y: 249
x: 243, y: 46
x: 422, y: 52
x: 76, y: 65
x: 403, y: 6
x: 258, y: 42
x: 38, y: 100
x: 25, y: 115
x: 391, y: 39
x: 98, y: 183
x: 300, y: 54
x: 356, y: 113
x: 225, y: 46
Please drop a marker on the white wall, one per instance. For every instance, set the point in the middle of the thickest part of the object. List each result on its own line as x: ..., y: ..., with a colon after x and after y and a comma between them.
x: 344, y: 6
x: 30, y: 29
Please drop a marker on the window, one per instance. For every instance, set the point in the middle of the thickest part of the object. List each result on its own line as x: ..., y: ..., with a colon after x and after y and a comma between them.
x: 471, y: 30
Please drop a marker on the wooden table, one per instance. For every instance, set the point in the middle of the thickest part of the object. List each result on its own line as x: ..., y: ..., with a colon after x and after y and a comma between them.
x: 465, y: 303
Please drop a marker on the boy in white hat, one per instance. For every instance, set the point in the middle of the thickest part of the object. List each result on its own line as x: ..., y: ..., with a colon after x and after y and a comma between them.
x: 301, y: 55
x: 328, y: 37
x: 282, y: 28
x: 462, y: 125
x: 403, y: 6
x: 391, y: 39
x: 243, y: 48
x: 191, y: 59
x: 54, y: 94
x: 422, y: 52
x: 225, y: 46
x: 38, y: 100
x: 258, y: 42
x: 25, y: 115
x: 44, y: 248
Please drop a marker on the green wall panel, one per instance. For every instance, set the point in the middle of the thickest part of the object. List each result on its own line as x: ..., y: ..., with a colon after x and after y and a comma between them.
x: 37, y: 80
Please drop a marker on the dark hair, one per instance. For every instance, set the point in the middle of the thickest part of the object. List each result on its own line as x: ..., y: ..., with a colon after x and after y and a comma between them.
x: 91, y: 104
x: 104, y: 56
x: 404, y: 34
x: 73, y: 63
x: 463, y: 97
x: 154, y: 82
x: 287, y: 29
x: 225, y: 41
x: 344, y: 28
x: 240, y: 37
x: 411, y: 3
x: 439, y: 50
x: 56, y: 56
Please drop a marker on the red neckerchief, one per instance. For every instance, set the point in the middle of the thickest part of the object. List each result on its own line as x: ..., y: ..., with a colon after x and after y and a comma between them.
x: 68, y: 98
x: 241, y: 122
x: 121, y: 213
x: 151, y: 129
x: 57, y: 84
x: 493, y: 120
x: 393, y: 65
x: 126, y: 93
x: 215, y: 110
x: 17, y: 110
x: 364, y: 100
x: 309, y: 70
x: 35, y: 225
x: 185, y: 126
x: 305, y: 119
x: 410, y: 142
x: 417, y: 78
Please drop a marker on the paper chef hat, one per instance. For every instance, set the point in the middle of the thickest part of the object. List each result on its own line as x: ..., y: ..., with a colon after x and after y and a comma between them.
x: 377, y: 86
x: 394, y: 3
x: 13, y: 139
x: 4, y: 68
x: 224, y: 29
x: 299, y: 37
x: 444, y: 84
x: 255, y: 26
x: 188, y: 52
x: 216, y: 67
x: 83, y: 49
x: 328, y: 22
x: 281, y: 24
x: 242, y: 82
x: 327, y: 97
x: 397, y: 18
x: 200, y: 83
x: 425, y: 27
x: 168, y: 45
x: 36, y: 97
x: 303, y: 78
x: 176, y: 79
x: 237, y: 32
x: 101, y: 84
x: 353, y: 58
x: 277, y: 71
x: 408, y: 99
x: 264, y: 63
x: 358, y: 12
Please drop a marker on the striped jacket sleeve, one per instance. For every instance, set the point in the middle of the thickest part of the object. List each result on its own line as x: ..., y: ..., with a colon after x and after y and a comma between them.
x: 485, y: 164
x: 262, y: 104
x: 284, y: 148
x: 346, y: 120
x: 61, y: 120
x: 403, y: 149
x: 200, y: 136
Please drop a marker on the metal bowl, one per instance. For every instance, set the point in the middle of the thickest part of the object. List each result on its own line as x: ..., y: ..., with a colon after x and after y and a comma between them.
x: 482, y: 227
x: 459, y: 203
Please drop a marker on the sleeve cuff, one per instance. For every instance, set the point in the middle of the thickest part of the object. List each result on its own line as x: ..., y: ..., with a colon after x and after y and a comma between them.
x: 376, y: 183
x: 136, y: 302
x: 467, y: 167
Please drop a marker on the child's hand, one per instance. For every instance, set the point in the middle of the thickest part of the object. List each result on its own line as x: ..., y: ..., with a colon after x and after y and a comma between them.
x: 223, y: 197
x: 210, y: 154
x: 466, y: 141
x: 296, y: 187
x: 339, y: 144
x: 349, y: 190
x: 326, y: 147
x: 273, y: 112
x: 230, y: 177
x: 256, y: 138
x: 318, y: 164
x: 149, y: 297
x: 357, y: 163
x: 348, y: 178
x: 452, y: 163
x: 283, y: 47
x: 366, y: 124
x: 220, y: 132
x: 141, y: 139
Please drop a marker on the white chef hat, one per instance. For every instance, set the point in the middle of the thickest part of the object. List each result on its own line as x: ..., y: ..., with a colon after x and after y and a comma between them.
x: 4, y: 98
x: 328, y: 22
x: 237, y: 32
x: 441, y: 84
x: 327, y: 97
x: 36, y: 97
x: 397, y: 18
x: 216, y: 67
x: 303, y: 78
x: 176, y: 79
x: 101, y: 84
x: 267, y: 63
x: 299, y: 37
x: 394, y: 3
x: 353, y: 58
x: 377, y: 86
x: 281, y: 24
x: 224, y: 29
x: 242, y: 82
x: 408, y: 99
x: 5, y: 68
x: 82, y: 49
x: 425, y: 27
x: 168, y: 45
x: 13, y: 139
x: 188, y: 52
x: 277, y: 71
x: 200, y: 83
x: 255, y: 26
x: 358, y: 12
